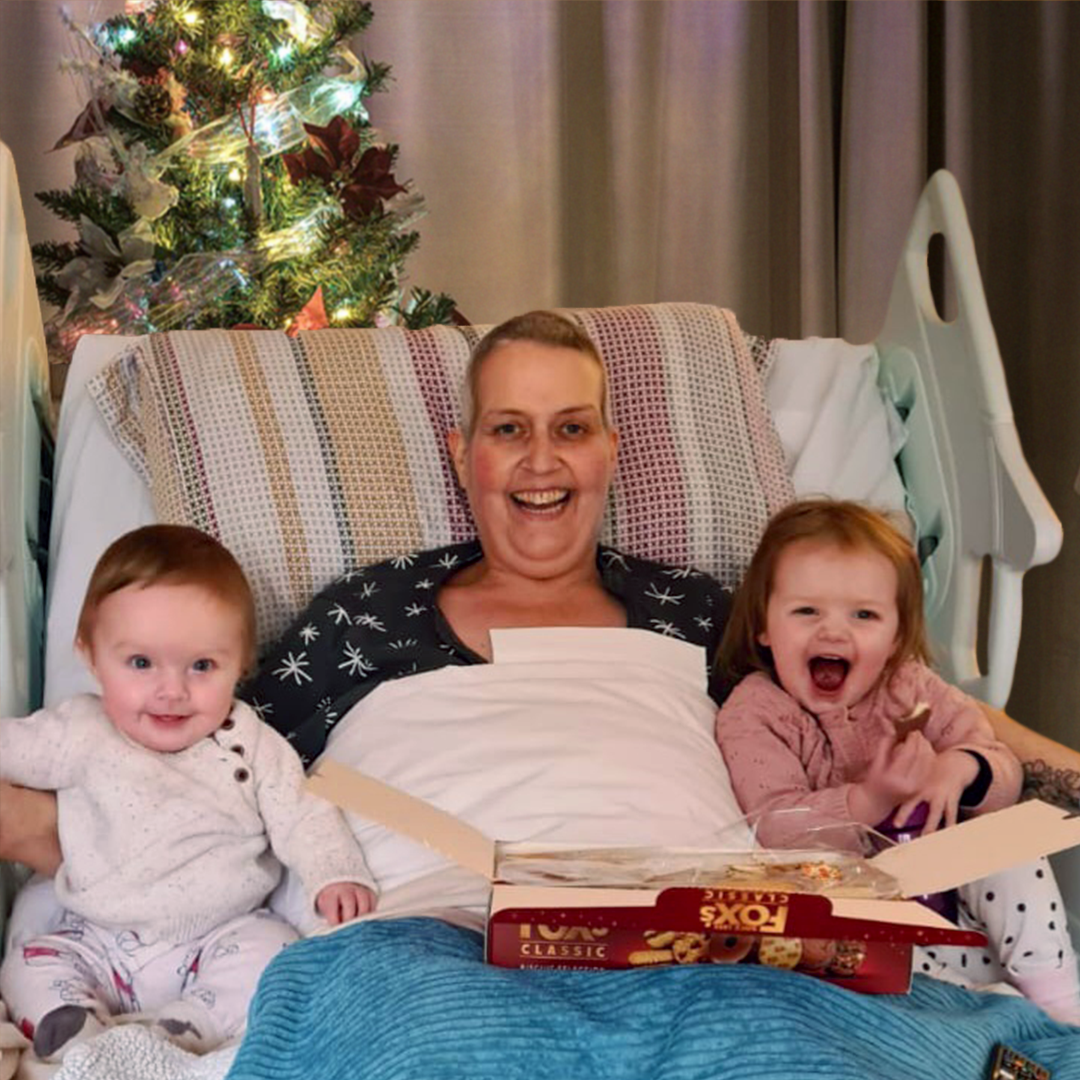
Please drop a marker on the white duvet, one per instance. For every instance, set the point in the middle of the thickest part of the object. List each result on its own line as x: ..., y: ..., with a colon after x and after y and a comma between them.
x: 571, y: 735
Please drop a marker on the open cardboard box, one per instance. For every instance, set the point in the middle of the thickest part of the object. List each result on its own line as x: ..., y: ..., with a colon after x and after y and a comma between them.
x: 802, y: 910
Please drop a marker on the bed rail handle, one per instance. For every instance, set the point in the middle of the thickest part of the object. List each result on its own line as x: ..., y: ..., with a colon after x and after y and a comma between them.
x: 963, y: 466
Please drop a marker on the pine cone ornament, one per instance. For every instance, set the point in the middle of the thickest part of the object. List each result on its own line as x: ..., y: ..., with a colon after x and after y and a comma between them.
x: 153, y: 103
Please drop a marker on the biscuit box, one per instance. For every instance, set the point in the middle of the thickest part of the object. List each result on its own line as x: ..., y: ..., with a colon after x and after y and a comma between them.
x: 838, y: 917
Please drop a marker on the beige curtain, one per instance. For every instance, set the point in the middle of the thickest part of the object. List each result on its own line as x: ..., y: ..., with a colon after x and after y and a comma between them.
x: 762, y: 156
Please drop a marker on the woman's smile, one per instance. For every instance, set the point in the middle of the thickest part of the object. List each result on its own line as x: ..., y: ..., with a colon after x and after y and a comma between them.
x: 547, y: 502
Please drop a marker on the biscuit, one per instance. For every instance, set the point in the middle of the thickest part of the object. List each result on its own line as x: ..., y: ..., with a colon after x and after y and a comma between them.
x: 817, y: 954
x: 690, y: 948
x: 642, y: 957
x: 780, y: 952
x: 916, y: 720
x: 822, y: 872
x: 730, y: 948
x: 659, y: 940
x: 848, y: 959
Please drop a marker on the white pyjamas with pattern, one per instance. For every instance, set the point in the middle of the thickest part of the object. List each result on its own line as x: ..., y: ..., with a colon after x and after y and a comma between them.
x: 208, y: 982
x: 1020, y: 910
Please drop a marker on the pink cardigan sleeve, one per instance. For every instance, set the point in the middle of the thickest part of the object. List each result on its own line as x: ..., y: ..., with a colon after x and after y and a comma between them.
x: 767, y: 742
x: 958, y: 723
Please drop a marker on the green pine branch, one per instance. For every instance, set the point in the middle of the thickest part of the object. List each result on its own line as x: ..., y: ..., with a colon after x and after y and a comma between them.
x: 51, y: 256
x: 427, y: 309
x: 109, y: 211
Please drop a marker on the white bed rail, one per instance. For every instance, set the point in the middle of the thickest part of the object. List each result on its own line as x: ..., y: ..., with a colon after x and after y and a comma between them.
x: 970, y: 486
x: 24, y: 377
x: 23, y: 396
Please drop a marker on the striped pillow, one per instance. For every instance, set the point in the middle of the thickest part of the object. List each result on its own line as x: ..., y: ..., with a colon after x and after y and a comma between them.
x: 312, y: 455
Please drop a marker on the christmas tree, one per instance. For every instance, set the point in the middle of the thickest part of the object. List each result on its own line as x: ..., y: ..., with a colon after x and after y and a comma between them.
x: 227, y: 173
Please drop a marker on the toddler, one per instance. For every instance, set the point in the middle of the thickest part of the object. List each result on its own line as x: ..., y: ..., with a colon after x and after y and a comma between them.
x: 839, y: 715
x: 177, y: 808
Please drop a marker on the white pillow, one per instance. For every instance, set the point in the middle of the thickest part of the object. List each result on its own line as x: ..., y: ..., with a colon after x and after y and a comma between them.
x: 839, y: 432
x: 571, y: 735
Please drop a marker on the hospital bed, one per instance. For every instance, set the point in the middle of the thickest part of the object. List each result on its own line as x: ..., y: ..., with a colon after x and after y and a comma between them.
x: 917, y: 421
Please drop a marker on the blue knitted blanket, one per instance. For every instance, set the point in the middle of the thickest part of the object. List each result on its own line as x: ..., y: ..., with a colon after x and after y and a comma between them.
x: 411, y: 999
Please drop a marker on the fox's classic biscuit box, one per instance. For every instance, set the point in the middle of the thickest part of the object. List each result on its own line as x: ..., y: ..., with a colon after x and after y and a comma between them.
x: 834, y: 916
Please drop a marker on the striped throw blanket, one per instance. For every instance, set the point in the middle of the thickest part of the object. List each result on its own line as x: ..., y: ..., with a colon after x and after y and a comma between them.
x: 313, y: 455
x: 401, y: 1000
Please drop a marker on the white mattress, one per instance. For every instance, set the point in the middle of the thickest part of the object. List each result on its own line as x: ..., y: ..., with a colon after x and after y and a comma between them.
x: 839, y: 437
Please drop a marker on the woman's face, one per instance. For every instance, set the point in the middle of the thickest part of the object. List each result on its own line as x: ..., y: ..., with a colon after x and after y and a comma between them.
x: 538, y: 464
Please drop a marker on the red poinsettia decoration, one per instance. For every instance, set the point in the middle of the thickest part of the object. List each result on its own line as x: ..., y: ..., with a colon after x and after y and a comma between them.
x: 362, y: 184
x: 371, y: 184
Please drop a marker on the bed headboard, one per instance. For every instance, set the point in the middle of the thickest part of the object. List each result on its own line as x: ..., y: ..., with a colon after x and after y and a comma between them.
x: 313, y: 455
x: 25, y: 415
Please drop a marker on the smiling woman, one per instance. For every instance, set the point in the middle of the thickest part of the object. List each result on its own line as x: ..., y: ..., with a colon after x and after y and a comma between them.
x: 492, y: 677
x: 536, y: 465
x: 535, y: 455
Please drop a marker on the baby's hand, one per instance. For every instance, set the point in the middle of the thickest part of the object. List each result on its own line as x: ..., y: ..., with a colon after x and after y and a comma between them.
x: 953, y: 771
x: 343, y: 901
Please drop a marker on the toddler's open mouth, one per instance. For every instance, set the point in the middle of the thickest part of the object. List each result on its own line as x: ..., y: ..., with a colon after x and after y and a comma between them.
x: 829, y: 672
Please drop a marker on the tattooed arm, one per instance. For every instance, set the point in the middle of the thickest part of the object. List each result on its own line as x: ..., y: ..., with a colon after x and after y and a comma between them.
x: 1051, y: 769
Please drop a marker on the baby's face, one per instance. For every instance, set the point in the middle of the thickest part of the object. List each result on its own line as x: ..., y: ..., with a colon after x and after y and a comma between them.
x: 168, y: 658
x: 831, y: 622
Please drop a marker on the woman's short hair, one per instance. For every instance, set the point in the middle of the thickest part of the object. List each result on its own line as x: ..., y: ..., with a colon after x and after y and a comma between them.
x: 542, y: 328
x: 849, y: 526
x: 170, y: 555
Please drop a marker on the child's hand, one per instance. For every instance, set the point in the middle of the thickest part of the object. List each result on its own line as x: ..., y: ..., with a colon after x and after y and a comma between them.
x: 952, y: 772
x: 899, y: 771
x: 343, y: 901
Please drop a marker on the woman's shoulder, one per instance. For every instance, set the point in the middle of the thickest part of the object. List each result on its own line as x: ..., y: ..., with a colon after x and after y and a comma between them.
x: 676, y: 600
x: 422, y: 571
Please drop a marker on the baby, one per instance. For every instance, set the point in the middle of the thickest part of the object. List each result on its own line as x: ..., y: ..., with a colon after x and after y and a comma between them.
x: 839, y: 715
x: 177, y: 808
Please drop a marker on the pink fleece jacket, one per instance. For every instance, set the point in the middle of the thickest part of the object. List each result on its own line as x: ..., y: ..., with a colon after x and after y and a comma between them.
x: 781, y: 757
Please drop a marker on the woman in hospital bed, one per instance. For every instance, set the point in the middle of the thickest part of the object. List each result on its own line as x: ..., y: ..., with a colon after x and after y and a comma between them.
x: 535, y: 456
